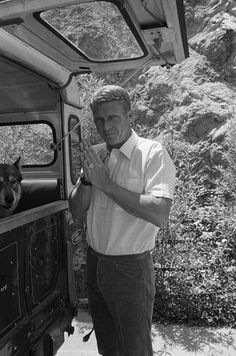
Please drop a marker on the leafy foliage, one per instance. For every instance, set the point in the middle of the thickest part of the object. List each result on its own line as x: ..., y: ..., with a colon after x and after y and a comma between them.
x: 30, y: 141
x: 88, y: 84
x: 195, y: 255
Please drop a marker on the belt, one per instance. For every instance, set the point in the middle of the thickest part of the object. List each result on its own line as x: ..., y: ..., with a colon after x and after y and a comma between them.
x: 131, y: 257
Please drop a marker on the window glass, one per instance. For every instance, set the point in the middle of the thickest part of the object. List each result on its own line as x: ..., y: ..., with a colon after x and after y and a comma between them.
x: 97, y: 29
x: 74, y: 140
x: 30, y: 141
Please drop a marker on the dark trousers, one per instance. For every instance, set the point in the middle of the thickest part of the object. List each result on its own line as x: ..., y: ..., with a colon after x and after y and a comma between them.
x: 121, y: 294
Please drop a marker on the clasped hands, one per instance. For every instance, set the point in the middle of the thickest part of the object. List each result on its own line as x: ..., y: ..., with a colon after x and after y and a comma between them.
x: 94, y: 169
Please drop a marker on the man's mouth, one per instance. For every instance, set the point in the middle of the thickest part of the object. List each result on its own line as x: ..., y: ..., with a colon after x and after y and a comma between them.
x: 110, y: 135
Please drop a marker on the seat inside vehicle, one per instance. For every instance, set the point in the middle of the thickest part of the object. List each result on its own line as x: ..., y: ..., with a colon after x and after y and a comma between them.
x: 38, y: 192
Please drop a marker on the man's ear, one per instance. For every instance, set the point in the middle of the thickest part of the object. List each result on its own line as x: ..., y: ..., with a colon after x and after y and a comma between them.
x: 130, y: 119
x: 131, y: 114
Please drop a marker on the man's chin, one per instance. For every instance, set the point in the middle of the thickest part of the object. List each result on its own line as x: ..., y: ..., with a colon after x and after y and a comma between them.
x: 111, y: 140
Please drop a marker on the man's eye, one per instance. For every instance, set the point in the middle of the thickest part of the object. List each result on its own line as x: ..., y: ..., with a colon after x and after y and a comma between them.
x: 98, y: 120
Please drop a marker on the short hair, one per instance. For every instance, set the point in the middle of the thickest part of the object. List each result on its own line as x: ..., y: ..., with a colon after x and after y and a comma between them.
x: 109, y: 93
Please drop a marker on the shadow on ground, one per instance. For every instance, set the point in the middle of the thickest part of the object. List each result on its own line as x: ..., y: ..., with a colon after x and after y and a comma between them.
x: 170, y: 339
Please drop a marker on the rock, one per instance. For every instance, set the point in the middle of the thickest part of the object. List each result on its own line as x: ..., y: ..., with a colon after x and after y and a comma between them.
x: 211, y: 29
x: 195, y: 100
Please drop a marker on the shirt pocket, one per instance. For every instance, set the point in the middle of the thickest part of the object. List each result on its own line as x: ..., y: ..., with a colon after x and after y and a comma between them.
x: 134, y: 185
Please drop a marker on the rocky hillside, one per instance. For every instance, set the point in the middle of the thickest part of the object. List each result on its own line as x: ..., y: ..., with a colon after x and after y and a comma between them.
x: 196, y: 100
x: 191, y: 107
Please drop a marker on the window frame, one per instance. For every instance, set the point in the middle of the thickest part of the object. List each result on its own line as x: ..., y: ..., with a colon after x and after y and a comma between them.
x: 71, y: 117
x: 126, y: 17
x: 17, y: 123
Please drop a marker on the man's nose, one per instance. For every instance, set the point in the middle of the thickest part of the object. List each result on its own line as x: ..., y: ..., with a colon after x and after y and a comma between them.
x: 107, y: 125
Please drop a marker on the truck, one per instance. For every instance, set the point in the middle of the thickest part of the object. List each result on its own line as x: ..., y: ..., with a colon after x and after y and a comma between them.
x: 41, y: 120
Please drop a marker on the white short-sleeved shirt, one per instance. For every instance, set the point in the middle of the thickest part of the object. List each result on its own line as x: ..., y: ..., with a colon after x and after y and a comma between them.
x: 140, y: 165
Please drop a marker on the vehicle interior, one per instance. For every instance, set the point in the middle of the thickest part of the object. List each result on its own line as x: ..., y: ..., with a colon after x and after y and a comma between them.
x: 27, y: 101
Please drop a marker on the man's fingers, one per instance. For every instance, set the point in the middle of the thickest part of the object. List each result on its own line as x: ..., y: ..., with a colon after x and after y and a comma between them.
x: 82, y: 157
x: 88, y: 157
x: 86, y: 166
x: 84, y: 144
x: 86, y: 171
x: 87, y: 145
x: 89, y: 154
x: 93, y: 155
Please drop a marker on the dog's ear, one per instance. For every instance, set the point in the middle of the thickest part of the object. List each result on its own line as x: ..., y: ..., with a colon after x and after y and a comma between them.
x: 17, y: 164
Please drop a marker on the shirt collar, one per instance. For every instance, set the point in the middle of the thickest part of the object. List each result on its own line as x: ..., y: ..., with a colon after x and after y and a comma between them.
x: 128, y: 147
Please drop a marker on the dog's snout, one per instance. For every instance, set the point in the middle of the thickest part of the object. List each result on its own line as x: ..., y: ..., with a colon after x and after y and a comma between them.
x: 9, y: 199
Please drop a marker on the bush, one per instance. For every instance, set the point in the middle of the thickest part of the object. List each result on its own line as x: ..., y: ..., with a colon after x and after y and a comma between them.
x: 195, y: 255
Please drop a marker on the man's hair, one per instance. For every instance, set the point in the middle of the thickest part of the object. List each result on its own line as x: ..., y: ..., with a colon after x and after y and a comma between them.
x: 109, y: 93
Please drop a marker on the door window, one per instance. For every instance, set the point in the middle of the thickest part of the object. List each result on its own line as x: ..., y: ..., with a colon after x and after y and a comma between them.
x: 30, y: 141
x: 97, y: 29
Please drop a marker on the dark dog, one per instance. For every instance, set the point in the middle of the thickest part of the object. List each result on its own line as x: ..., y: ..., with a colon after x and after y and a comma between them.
x: 10, y: 187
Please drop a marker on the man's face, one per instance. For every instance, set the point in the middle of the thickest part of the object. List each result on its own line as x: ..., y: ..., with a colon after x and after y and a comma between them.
x: 112, y: 122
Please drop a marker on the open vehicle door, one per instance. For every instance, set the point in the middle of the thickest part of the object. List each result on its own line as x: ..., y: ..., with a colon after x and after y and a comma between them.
x: 39, y: 105
x: 134, y: 33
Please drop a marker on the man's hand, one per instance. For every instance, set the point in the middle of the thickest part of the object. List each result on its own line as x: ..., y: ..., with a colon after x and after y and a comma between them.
x: 94, y: 169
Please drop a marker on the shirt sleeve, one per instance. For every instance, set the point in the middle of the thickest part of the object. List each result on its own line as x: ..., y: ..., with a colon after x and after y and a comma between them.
x: 160, y: 173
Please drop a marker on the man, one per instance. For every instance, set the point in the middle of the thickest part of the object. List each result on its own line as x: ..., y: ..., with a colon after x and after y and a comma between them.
x: 126, y: 189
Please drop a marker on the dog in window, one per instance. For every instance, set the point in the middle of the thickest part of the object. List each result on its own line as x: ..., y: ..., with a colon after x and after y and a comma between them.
x: 10, y: 187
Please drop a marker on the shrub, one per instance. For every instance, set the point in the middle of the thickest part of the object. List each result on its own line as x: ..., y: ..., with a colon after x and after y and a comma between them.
x: 195, y: 254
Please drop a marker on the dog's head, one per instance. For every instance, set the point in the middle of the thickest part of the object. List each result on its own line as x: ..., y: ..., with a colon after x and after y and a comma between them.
x: 10, y: 187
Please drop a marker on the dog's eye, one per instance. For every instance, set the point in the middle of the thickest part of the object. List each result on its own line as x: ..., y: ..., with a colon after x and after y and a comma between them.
x: 12, y: 180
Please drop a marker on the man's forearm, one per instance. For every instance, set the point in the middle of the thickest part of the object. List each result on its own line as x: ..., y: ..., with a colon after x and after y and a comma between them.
x: 79, y: 200
x: 144, y: 206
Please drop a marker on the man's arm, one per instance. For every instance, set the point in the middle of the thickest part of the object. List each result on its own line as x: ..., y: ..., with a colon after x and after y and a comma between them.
x: 80, y: 197
x: 144, y: 206
x: 79, y: 200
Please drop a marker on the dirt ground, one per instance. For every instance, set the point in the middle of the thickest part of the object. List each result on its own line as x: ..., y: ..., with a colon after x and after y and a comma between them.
x: 169, y: 340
